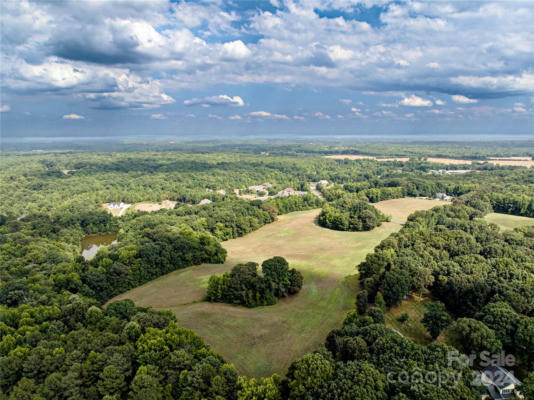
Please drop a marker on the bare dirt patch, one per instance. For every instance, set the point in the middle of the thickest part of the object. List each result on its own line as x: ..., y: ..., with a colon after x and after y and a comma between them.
x: 505, y: 161
x: 449, y: 161
x: 149, y: 207
x: 513, y: 161
x: 362, y: 157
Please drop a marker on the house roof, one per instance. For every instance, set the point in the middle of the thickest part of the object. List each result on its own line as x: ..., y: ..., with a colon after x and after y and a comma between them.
x: 494, y: 393
x: 500, y: 377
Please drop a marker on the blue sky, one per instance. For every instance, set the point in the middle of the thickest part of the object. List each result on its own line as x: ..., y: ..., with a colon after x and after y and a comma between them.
x: 95, y: 67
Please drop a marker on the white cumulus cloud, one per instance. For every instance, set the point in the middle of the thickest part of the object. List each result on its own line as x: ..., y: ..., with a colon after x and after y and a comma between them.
x: 236, y: 50
x: 321, y: 115
x: 415, y: 101
x: 5, y: 108
x: 219, y: 100
x: 266, y: 114
x: 73, y: 116
x: 458, y: 98
x: 520, y: 108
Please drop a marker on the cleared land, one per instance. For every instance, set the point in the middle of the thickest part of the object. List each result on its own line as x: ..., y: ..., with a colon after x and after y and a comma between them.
x: 412, y: 328
x: 400, y: 209
x: 265, y: 340
x: 154, y: 206
x: 361, y: 157
x: 506, y: 161
x: 513, y: 161
x: 507, y: 222
x: 116, y: 212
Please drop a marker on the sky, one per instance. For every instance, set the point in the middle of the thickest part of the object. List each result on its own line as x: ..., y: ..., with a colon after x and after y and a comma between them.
x: 159, y: 67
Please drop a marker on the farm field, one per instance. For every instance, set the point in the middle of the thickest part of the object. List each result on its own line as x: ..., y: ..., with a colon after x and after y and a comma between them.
x: 506, y: 221
x: 504, y: 161
x: 265, y: 340
x: 362, y: 157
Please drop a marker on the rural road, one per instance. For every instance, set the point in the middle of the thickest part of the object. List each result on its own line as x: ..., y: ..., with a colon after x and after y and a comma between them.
x: 313, y: 189
x: 123, y: 210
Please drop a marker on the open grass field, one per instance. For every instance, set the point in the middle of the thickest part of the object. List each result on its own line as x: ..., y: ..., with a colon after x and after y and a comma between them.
x: 265, y: 340
x: 506, y: 221
x: 400, y: 209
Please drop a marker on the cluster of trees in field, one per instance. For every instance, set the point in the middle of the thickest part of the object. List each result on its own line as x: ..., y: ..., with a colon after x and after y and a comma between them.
x: 243, y: 285
x: 482, y: 277
x: 350, y: 213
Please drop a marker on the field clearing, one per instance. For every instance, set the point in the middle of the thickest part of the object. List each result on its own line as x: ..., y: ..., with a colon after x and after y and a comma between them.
x: 413, y: 328
x: 508, y: 222
x: 361, y: 157
x: 513, y: 161
x: 265, y: 340
x: 400, y: 209
x: 503, y: 161
x: 154, y: 206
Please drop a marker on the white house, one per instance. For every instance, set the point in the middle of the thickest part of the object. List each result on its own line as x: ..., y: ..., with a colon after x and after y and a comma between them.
x: 204, y: 201
x: 115, y: 205
x: 443, y: 196
x: 290, y: 192
x: 501, y: 383
x: 263, y: 187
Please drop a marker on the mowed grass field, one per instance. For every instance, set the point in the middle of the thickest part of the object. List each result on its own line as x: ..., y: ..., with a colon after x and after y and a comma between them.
x: 265, y: 340
x: 507, y: 222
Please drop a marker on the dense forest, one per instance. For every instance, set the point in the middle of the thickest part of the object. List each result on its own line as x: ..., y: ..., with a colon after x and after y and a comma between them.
x: 243, y: 285
x: 60, y: 340
x: 482, y: 276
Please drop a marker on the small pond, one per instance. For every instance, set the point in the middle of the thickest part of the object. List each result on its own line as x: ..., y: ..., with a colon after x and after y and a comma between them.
x: 91, y: 243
